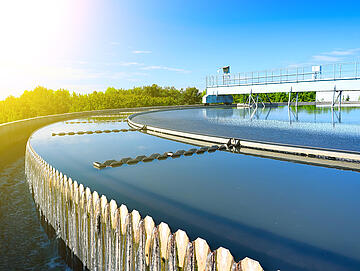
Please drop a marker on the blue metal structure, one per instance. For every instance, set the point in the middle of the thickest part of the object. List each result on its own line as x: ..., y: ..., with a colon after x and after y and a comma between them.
x: 216, y: 99
x: 330, y: 78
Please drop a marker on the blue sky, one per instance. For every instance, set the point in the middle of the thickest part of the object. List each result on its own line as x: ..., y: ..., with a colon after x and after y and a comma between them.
x: 89, y: 45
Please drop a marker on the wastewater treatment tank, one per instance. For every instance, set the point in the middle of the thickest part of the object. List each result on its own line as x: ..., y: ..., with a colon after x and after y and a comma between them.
x: 219, y: 187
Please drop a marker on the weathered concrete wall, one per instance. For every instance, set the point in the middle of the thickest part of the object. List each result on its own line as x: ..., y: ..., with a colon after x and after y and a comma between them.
x: 101, y: 234
x: 107, y: 237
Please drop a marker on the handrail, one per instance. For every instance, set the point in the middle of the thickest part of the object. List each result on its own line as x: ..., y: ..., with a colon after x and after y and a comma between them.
x: 327, y: 72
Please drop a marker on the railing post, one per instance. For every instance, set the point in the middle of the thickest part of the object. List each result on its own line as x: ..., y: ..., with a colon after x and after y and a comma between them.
x: 266, y: 77
x: 303, y: 72
x: 340, y: 71
x: 289, y: 101
x: 356, y: 69
x: 297, y: 73
x: 287, y: 75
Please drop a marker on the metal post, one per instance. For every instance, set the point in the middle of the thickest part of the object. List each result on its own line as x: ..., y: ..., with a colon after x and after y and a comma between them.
x: 297, y: 73
x: 287, y: 75
x: 297, y: 96
x: 340, y: 94
x: 340, y: 71
x: 333, y: 100
x: 268, y: 98
x: 263, y: 104
x: 289, y: 102
x: 266, y: 77
x: 256, y: 106
x: 250, y: 97
x: 303, y: 74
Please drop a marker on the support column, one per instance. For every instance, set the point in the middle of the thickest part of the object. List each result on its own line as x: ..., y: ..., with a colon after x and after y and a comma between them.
x: 268, y: 98
x: 340, y: 94
x: 289, y: 102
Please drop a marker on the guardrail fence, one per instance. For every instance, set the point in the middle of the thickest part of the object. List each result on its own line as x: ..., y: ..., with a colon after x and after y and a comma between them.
x: 337, y: 71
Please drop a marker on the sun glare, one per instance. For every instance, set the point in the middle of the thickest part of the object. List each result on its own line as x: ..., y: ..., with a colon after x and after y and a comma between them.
x: 34, y: 35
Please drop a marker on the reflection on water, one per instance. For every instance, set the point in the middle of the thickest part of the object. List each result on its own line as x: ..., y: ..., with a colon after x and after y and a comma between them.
x: 288, y: 216
x: 23, y: 243
x: 306, y: 126
x: 284, y: 113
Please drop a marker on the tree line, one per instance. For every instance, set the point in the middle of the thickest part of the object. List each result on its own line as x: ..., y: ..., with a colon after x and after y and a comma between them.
x: 278, y: 97
x: 42, y: 101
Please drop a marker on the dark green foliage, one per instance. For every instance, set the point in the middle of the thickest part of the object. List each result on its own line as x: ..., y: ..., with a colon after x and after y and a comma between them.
x: 42, y: 101
x: 278, y: 97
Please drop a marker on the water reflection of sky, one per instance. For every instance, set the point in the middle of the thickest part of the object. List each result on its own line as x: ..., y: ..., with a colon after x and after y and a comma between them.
x: 308, y: 126
x: 288, y: 216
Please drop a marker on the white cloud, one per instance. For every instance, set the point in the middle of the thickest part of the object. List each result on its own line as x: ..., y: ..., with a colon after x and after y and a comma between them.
x: 126, y: 64
x: 347, y: 52
x: 121, y: 63
x: 326, y: 58
x: 164, y: 68
x: 336, y: 55
x: 125, y: 75
x: 298, y: 65
x: 141, y: 52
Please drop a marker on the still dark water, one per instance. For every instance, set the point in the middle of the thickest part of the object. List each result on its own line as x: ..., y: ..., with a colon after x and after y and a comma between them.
x: 24, y: 245
x: 288, y: 216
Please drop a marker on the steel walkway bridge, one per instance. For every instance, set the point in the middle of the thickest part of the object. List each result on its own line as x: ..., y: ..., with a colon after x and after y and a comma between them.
x: 332, y: 78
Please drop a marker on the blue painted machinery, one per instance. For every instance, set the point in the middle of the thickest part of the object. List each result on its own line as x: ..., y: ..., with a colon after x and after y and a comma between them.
x: 217, y: 99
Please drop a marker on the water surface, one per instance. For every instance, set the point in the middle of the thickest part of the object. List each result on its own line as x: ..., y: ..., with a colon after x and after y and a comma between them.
x: 311, y: 126
x: 288, y: 216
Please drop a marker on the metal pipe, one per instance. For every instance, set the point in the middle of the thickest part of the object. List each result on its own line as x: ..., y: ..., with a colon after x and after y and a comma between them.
x: 297, y: 73
x: 340, y: 99
x: 340, y: 70
x: 289, y: 101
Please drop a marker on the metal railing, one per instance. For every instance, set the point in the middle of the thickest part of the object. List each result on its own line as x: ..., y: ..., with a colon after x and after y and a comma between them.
x: 328, y: 72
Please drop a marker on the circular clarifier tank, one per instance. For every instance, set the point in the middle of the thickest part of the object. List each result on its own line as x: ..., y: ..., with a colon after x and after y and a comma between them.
x: 286, y: 215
